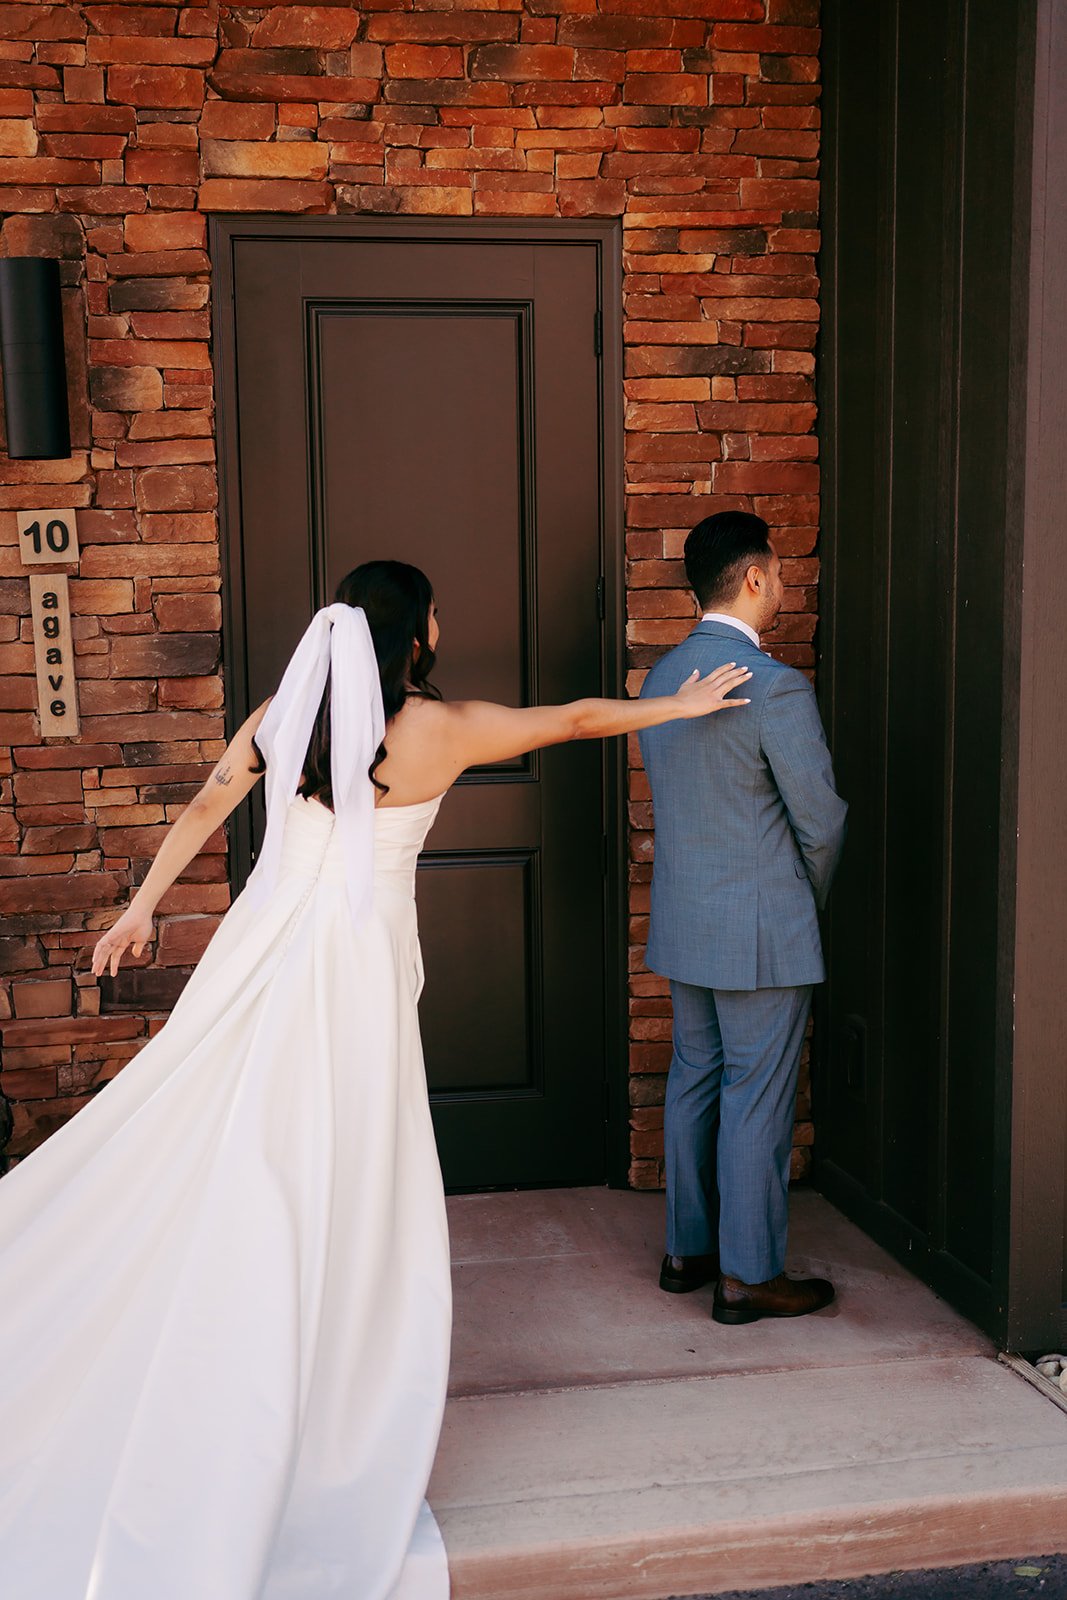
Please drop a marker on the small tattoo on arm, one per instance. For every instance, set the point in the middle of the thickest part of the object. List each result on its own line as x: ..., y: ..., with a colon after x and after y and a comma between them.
x: 223, y: 776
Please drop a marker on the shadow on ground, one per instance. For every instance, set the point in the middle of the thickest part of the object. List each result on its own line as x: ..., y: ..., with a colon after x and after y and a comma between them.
x: 1022, y: 1579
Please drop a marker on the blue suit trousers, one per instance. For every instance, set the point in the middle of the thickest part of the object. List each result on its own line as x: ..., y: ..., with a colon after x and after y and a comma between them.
x: 728, y: 1124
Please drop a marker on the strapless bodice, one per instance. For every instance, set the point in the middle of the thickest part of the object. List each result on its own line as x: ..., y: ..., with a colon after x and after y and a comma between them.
x: 312, y: 847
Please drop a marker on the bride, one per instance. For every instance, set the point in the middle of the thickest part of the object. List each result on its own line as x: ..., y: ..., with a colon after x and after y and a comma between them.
x: 226, y: 1319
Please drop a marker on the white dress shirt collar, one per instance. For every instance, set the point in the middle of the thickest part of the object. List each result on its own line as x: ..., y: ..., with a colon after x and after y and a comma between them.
x: 732, y: 622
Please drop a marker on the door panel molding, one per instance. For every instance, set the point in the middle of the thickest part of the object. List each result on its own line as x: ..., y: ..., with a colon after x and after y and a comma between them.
x: 521, y: 313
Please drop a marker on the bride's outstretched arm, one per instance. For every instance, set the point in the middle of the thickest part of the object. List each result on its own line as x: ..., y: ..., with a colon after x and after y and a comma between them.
x: 234, y: 775
x: 482, y: 733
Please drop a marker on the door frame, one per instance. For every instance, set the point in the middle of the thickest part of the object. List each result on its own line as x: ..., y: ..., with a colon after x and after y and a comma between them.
x: 224, y: 234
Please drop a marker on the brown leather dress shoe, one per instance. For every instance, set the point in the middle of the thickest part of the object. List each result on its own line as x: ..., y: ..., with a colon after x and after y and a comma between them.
x: 680, y: 1274
x: 779, y: 1297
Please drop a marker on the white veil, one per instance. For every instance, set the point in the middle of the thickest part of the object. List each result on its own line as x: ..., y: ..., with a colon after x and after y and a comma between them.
x: 338, y: 644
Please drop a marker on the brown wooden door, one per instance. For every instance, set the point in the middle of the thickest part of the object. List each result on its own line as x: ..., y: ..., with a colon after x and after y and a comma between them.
x: 436, y: 399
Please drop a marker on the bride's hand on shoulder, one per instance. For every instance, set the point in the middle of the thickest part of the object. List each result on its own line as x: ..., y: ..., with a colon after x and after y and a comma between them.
x: 698, y: 696
x: 133, y: 931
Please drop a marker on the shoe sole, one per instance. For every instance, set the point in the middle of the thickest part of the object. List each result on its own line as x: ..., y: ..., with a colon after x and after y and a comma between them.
x: 732, y: 1316
x: 671, y: 1286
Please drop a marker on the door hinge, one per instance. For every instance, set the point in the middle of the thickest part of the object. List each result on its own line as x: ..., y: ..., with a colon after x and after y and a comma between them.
x: 598, y: 333
x: 600, y: 611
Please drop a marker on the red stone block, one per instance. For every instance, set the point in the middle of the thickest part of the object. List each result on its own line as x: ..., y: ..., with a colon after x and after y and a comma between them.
x: 455, y: 27
x: 162, y: 166
x: 323, y: 27
x: 149, y: 352
x: 775, y: 386
x: 193, y: 613
x: 83, y: 146
x: 785, y: 447
x: 765, y: 39
x: 517, y: 63
x: 97, y: 526
x: 142, y: 50
x: 793, y: 511
x: 47, y: 170
x: 123, y: 18
x: 682, y: 140
x: 776, y: 335
x: 500, y: 202
x: 757, y: 418
x: 172, y: 452
x: 67, y: 892
x: 605, y: 65
x: 192, y: 694
x: 291, y: 114
x: 42, y: 24
x: 100, y: 598
x: 126, y: 388
x: 238, y: 158
x: 172, y: 230
x: 233, y: 84
x: 223, y: 119
x: 177, y: 528
x: 114, y: 489
x: 21, y: 75
x: 424, y: 61
x: 171, y: 325
x: 614, y: 32
x: 42, y: 997
x: 76, y: 1030
x: 182, y: 940
x: 108, y: 200
x: 790, y: 194
x: 665, y: 89
x: 264, y: 194
x: 149, y: 86
x: 157, y: 263
x: 16, y: 103
x: 189, y: 488
x: 676, y: 418
x: 760, y: 477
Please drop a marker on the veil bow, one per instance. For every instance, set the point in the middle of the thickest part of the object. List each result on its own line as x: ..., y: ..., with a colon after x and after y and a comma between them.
x: 337, y: 645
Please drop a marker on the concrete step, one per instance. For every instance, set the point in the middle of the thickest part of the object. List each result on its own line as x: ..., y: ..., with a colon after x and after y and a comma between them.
x: 642, y: 1490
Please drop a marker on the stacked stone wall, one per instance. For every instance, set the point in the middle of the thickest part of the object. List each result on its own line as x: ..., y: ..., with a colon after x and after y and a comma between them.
x: 123, y: 126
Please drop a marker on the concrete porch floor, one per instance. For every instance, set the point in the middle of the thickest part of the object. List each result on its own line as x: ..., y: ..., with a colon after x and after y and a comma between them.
x: 605, y: 1441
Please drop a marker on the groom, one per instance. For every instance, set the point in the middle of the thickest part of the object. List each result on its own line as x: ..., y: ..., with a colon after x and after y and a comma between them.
x: 749, y: 829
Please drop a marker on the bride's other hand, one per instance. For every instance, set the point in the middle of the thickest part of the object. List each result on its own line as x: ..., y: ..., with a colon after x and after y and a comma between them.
x: 133, y: 930
x: 700, y: 696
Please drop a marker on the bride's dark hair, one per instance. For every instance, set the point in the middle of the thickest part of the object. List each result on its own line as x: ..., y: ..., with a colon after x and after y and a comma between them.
x: 397, y: 599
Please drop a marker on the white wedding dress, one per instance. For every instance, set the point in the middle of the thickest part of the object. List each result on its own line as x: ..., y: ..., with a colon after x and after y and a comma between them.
x: 226, y: 1305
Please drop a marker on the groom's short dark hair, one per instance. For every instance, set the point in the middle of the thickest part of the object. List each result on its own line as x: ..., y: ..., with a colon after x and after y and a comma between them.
x: 720, y: 550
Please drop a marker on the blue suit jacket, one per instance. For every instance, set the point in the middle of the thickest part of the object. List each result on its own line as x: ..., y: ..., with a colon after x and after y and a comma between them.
x: 749, y: 827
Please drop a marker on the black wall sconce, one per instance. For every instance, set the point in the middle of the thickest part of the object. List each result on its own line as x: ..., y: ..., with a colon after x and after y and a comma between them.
x: 33, y: 360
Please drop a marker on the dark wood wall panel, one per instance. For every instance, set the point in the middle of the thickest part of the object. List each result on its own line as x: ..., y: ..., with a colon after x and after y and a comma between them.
x: 915, y: 394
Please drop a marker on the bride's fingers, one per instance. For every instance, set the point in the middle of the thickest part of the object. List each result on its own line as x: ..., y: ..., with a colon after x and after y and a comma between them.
x: 729, y: 670
x: 726, y: 678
